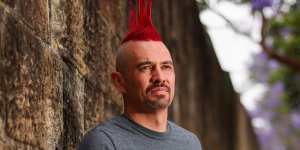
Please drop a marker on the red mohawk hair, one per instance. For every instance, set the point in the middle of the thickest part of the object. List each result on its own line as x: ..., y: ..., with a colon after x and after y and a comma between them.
x: 140, y: 25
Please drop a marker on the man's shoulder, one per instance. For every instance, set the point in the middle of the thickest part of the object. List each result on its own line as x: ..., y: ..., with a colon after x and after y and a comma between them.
x: 96, y: 139
x: 99, y: 137
x: 107, y: 125
x: 180, y: 130
x: 184, y: 134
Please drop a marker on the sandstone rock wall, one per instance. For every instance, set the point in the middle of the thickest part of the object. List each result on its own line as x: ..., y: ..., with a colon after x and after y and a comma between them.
x: 206, y: 102
x: 55, y: 60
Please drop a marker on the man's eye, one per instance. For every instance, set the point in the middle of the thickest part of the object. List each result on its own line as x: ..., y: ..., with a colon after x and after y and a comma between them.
x: 166, y: 67
x: 144, y: 68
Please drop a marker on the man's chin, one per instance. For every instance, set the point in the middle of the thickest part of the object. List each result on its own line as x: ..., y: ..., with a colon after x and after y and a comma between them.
x: 158, y: 103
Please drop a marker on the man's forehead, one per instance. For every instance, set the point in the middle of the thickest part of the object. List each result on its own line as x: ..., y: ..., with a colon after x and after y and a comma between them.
x: 146, y: 49
x: 133, y: 53
x: 144, y: 45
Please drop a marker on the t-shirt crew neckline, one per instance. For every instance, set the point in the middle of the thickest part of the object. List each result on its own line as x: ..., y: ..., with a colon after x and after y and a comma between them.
x: 145, y: 131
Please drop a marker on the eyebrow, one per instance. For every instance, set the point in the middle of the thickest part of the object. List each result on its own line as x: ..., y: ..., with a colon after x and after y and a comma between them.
x: 169, y: 62
x: 143, y: 63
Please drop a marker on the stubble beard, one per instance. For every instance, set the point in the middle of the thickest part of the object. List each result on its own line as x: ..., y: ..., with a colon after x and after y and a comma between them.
x: 159, y: 103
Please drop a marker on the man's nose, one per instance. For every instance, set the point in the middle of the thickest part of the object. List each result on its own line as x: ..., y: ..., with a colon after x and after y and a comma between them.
x: 157, y: 76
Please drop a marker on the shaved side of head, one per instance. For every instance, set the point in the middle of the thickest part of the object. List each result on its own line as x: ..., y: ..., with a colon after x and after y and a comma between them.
x: 122, y: 59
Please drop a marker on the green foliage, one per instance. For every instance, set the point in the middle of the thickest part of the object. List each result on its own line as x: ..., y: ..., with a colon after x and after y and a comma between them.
x: 285, y: 107
x: 278, y: 75
x: 202, y: 4
x: 284, y: 30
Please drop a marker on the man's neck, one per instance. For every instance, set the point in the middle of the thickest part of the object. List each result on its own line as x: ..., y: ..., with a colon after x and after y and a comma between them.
x: 154, y: 121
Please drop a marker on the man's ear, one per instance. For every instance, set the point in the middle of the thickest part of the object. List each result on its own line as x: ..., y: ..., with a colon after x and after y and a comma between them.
x: 118, y: 81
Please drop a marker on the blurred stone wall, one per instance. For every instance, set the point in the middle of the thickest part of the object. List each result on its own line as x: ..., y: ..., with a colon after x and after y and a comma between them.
x: 55, y: 62
x: 206, y: 102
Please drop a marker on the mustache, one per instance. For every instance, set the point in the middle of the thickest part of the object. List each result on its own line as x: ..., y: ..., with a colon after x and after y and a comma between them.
x: 152, y: 86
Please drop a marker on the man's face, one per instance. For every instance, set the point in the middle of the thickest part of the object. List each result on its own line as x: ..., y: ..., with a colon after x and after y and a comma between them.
x: 149, y: 77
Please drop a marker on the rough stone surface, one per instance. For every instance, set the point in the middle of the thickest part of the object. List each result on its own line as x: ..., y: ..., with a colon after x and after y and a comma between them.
x: 34, y: 14
x: 55, y: 62
x: 246, y: 139
x: 104, y: 23
x: 31, y: 95
x: 205, y: 102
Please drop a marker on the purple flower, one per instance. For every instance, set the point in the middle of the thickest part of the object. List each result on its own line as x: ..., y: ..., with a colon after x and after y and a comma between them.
x: 295, y: 118
x: 278, y: 88
x: 260, y: 4
x: 262, y: 56
x: 286, y: 32
x: 274, y: 102
x: 262, y: 113
x: 274, y: 65
x: 263, y: 67
x: 269, y: 139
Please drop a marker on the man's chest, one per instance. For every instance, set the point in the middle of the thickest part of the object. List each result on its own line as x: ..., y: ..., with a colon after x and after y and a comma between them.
x: 145, y: 143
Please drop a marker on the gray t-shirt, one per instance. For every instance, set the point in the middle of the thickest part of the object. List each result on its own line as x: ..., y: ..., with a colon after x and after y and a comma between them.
x: 120, y: 133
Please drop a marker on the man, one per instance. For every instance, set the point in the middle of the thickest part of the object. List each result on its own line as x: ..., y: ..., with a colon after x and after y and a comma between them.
x: 145, y: 76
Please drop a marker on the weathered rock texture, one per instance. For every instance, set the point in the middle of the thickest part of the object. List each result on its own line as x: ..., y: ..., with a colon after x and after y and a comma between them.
x: 206, y: 102
x: 55, y: 60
